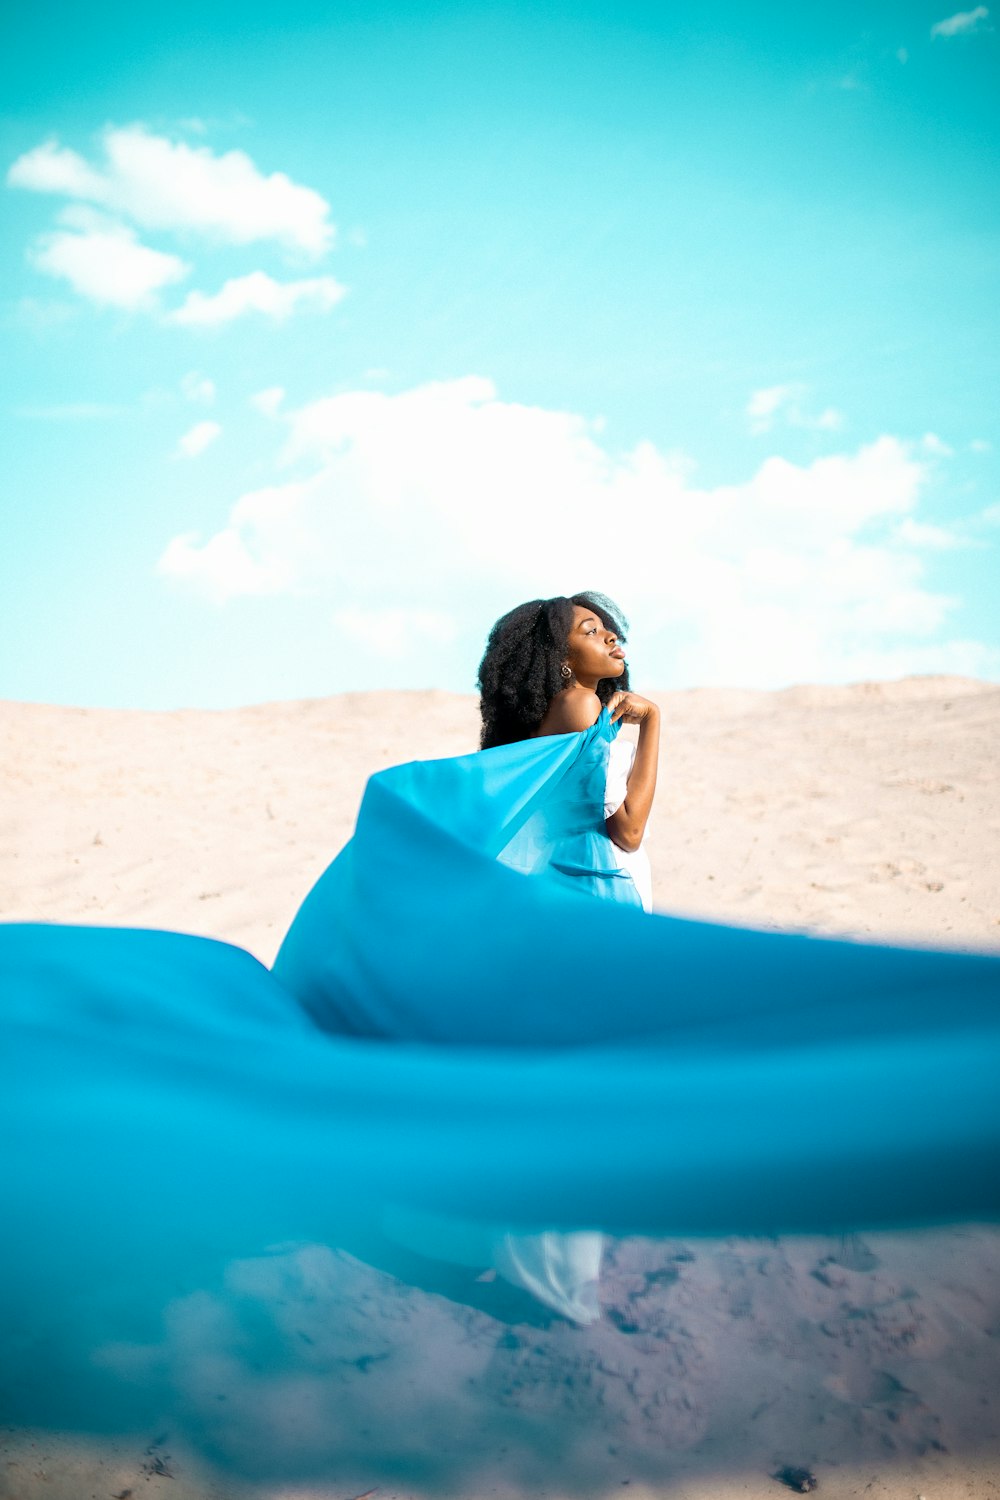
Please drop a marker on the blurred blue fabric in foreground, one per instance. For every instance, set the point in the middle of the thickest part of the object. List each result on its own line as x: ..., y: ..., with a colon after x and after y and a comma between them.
x: 441, y: 1035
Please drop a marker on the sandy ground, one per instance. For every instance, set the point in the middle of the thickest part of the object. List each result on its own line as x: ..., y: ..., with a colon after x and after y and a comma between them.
x: 871, y: 810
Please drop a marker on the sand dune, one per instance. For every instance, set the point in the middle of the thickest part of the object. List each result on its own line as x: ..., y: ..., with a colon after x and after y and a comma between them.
x: 870, y: 810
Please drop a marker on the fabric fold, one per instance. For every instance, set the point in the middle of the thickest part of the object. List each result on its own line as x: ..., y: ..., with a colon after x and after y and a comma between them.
x: 452, y: 1030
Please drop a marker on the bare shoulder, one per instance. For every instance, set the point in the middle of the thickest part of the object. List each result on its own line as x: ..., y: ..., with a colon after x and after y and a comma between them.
x: 571, y: 711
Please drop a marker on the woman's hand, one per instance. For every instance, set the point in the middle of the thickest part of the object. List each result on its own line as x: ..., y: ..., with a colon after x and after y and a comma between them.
x: 631, y: 709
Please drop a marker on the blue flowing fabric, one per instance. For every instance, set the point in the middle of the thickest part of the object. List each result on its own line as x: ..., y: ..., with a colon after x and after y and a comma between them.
x: 470, y: 1017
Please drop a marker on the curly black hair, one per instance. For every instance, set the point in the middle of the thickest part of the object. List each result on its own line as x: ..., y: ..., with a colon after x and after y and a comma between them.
x: 520, y: 672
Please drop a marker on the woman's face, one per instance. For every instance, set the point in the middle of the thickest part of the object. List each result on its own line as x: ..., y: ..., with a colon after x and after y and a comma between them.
x: 592, y: 648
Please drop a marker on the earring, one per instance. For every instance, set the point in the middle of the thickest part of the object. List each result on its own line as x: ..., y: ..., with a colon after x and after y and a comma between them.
x: 565, y: 669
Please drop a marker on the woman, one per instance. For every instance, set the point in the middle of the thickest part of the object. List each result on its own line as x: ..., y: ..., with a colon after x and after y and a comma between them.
x: 552, y: 666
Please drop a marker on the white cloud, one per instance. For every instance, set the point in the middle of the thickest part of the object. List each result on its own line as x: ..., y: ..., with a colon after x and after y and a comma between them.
x: 919, y: 534
x: 980, y: 445
x: 51, y: 168
x: 197, y: 387
x: 163, y: 184
x: 931, y: 443
x: 201, y: 125
x: 773, y: 401
x: 991, y: 515
x: 764, y: 405
x: 40, y: 316
x: 72, y: 411
x: 224, y: 567
x: 952, y: 658
x: 393, y: 634
x: 105, y: 262
x: 268, y: 402
x: 258, y: 293
x: 199, y: 437
x: 962, y: 22
x: 902, y: 55
x: 798, y: 572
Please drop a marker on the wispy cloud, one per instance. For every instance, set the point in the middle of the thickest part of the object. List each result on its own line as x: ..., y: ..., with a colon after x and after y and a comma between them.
x: 797, y: 572
x: 199, y: 437
x: 72, y: 411
x: 42, y: 315
x: 785, y: 401
x: 922, y: 534
x: 257, y: 293
x: 393, y: 634
x: 202, y: 124
x: 764, y: 404
x: 105, y: 262
x: 962, y: 22
x: 268, y: 402
x: 223, y: 567
x: 159, y: 183
x: 198, y: 388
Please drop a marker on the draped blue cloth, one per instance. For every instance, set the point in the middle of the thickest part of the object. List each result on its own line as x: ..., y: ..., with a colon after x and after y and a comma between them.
x: 470, y: 1016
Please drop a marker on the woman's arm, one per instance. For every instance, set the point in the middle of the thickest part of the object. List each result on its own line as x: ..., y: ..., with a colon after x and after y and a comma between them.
x: 627, y: 825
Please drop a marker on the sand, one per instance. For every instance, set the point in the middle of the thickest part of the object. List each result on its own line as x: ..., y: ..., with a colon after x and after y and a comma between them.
x: 870, y: 810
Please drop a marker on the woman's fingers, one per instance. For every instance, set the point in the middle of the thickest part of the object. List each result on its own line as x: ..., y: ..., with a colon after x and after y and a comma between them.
x: 629, y: 707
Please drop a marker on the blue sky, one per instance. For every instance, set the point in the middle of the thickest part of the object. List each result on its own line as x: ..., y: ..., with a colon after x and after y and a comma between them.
x: 330, y: 335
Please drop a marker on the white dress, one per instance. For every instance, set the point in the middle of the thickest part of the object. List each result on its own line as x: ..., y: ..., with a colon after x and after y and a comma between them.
x: 621, y: 759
